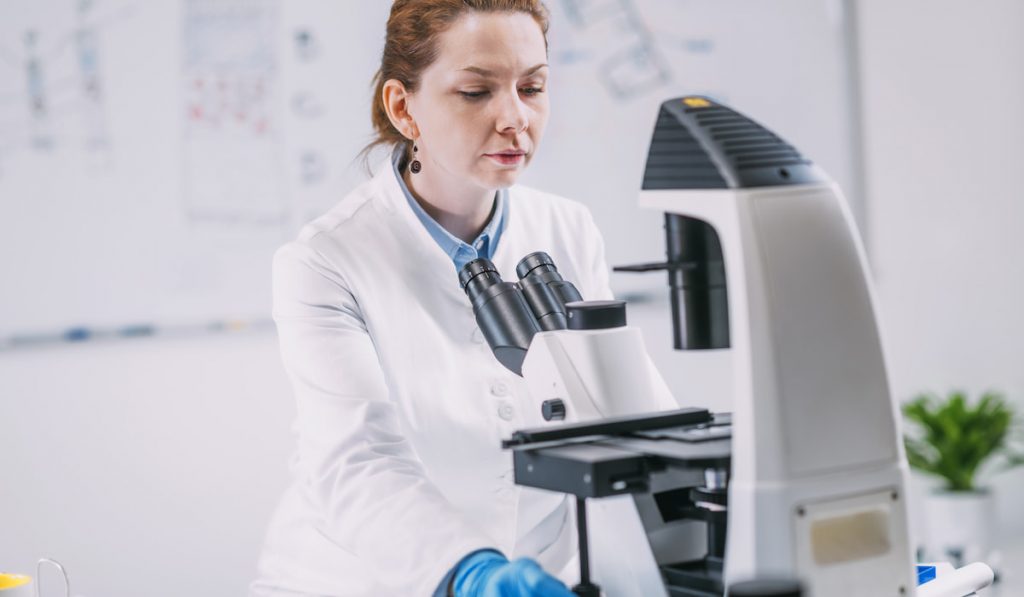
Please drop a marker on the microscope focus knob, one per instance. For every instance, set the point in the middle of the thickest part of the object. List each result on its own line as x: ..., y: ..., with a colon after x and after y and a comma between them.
x: 553, y: 410
x: 765, y: 588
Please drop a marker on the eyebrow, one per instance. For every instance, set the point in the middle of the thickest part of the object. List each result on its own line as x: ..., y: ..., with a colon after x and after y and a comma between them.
x: 488, y: 73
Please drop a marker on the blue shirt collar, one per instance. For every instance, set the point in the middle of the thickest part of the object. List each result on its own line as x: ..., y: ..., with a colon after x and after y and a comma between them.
x: 458, y: 251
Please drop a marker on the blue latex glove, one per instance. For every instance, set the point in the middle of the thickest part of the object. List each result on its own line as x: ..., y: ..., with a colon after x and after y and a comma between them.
x: 489, y: 574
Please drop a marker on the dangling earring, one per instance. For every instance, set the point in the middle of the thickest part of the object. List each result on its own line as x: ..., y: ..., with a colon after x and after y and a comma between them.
x: 415, y: 166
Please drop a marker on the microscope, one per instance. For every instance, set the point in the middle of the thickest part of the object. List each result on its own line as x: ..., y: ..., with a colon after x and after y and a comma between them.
x: 801, y: 488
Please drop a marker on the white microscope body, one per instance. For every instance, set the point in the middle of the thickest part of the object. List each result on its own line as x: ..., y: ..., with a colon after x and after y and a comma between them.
x: 598, y: 373
x: 817, y: 485
x: 817, y: 488
x: 774, y: 272
x: 818, y: 480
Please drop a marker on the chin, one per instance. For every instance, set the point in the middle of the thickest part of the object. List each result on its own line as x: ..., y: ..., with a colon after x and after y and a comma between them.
x: 502, y: 179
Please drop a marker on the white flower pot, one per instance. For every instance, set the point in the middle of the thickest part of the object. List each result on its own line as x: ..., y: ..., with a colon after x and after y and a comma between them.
x: 959, y: 526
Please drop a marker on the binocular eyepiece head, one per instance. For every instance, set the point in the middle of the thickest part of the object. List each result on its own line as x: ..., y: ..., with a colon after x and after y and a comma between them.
x: 511, y: 313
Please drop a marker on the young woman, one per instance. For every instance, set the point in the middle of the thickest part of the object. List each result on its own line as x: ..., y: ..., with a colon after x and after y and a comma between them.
x: 400, y: 486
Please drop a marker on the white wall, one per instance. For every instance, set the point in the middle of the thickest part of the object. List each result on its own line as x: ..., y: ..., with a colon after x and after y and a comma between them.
x: 147, y: 467
x: 943, y: 93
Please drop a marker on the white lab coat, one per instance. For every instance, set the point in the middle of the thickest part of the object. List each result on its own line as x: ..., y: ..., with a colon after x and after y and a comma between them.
x: 401, y: 404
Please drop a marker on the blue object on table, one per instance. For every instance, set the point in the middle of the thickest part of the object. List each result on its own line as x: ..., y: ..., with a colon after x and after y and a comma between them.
x: 925, y: 574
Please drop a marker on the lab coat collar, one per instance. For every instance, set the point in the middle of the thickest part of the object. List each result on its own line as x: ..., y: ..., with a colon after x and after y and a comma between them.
x: 457, y: 250
x: 440, y: 264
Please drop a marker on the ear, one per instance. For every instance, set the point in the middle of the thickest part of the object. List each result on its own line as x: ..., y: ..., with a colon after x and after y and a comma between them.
x: 396, y: 104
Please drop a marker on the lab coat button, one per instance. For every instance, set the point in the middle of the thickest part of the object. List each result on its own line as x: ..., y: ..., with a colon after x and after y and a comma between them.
x: 499, y: 389
x: 505, y: 411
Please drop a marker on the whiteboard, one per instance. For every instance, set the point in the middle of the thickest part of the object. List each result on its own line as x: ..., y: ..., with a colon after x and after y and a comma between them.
x: 153, y: 154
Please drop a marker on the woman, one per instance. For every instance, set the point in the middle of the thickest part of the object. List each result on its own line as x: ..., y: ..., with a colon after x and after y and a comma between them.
x: 400, y: 486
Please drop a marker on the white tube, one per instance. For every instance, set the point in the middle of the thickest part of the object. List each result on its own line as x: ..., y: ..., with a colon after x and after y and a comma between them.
x: 958, y: 583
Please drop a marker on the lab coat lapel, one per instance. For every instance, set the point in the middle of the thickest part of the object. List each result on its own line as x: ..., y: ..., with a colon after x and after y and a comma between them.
x: 421, y: 256
x: 424, y: 251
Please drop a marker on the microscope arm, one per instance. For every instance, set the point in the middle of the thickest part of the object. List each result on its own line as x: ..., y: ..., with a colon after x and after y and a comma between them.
x: 584, y: 375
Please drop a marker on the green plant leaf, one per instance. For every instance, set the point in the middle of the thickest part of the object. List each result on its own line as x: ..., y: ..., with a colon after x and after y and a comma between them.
x: 953, y: 439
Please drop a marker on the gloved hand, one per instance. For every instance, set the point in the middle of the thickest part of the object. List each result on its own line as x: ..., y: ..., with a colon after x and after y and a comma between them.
x: 489, y: 574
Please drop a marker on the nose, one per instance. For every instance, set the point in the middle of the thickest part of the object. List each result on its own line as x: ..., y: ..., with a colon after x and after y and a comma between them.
x: 512, y: 114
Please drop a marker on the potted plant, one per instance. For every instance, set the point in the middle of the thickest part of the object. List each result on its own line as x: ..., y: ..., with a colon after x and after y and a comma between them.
x: 956, y: 441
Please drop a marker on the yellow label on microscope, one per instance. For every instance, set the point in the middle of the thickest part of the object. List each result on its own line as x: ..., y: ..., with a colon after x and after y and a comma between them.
x: 696, y: 102
x: 9, y: 581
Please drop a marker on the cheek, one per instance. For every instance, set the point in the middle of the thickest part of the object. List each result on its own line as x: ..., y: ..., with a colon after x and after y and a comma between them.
x: 539, y: 120
x: 452, y: 125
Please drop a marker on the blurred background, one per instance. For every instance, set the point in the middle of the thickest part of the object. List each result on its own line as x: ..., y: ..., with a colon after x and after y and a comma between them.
x: 154, y: 154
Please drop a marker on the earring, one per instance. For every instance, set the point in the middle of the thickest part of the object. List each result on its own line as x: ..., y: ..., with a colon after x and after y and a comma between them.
x: 415, y: 166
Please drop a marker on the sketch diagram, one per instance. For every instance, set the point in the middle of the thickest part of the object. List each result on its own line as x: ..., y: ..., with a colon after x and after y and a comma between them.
x: 232, y: 138
x: 636, y: 65
x: 87, y: 52
x: 307, y: 45
x: 639, y: 62
x: 40, y: 137
x: 58, y: 101
x: 307, y: 105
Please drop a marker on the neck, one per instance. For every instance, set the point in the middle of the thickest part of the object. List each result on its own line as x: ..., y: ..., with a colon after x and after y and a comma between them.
x: 461, y: 209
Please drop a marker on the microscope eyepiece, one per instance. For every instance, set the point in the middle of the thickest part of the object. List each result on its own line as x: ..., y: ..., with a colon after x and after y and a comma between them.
x: 475, y: 268
x: 533, y: 261
x: 545, y: 290
x: 501, y: 312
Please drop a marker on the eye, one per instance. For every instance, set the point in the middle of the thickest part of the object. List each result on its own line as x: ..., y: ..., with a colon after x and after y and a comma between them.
x: 472, y: 94
x: 532, y: 90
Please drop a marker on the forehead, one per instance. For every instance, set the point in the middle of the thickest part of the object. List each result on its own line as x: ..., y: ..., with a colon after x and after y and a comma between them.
x: 504, y: 42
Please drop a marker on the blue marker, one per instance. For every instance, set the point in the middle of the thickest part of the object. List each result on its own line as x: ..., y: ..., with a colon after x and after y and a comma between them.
x: 77, y: 334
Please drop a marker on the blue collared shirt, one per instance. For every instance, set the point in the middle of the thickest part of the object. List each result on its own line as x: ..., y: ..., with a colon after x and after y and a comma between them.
x: 458, y: 251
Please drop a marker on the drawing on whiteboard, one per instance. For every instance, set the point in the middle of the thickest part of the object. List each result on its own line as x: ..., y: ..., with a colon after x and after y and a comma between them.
x: 232, y: 141
x: 307, y: 45
x: 41, y: 137
x: 640, y: 61
x: 61, y: 79
x: 306, y: 105
x: 636, y: 65
x: 698, y: 45
x: 312, y: 167
x: 97, y: 138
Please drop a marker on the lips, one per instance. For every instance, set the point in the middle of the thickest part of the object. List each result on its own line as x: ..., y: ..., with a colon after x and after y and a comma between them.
x: 507, y: 157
